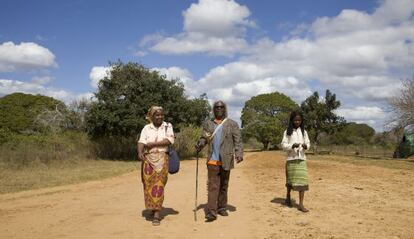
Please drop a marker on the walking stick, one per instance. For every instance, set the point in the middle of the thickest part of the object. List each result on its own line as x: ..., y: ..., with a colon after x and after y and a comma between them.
x: 196, y: 191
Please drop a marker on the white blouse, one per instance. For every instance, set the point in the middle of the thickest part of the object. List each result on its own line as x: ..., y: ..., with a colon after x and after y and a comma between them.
x: 296, y: 137
x: 150, y: 133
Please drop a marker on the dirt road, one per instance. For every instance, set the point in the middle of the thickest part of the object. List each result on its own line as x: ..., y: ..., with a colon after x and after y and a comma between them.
x: 345, y: 201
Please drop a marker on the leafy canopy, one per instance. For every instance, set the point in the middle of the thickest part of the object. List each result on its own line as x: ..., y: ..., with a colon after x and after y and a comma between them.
x: 266, y: 116
x: 123, y: 99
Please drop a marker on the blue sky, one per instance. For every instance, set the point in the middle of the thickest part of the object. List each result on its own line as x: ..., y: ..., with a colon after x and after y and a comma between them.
x: 231, y: 50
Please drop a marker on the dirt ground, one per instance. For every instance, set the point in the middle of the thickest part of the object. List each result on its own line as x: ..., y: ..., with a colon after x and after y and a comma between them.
x: 345, y: 201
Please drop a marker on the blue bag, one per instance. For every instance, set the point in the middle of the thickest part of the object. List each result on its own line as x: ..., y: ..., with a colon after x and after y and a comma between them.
x: 174, y: 160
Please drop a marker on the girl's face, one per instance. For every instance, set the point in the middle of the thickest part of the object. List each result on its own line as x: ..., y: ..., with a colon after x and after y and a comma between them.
x: 157, y: 118
x: 297, y: 121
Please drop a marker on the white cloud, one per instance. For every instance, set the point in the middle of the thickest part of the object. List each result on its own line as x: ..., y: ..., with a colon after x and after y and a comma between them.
x: 184, y: 75
x: 371, y: 115
x: 24, y: 56
x: 89, y: 96
x: 98, y: 73
x: 12, y: 86
x: 42, y: 80
x: 360, y: 56
x: 219, y: 18
x: 214, y: 27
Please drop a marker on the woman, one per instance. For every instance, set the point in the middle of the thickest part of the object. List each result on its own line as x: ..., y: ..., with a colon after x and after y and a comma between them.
x: 295, y: 142
x: 153, y: 151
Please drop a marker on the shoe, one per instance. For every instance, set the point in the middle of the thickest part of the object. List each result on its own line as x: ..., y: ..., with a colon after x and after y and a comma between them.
x: 223, y: 213
x: 210, y: 217
x: 156, y: 222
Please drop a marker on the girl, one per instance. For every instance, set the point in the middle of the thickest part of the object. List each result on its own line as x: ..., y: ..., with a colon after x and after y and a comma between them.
x: 295, y: 142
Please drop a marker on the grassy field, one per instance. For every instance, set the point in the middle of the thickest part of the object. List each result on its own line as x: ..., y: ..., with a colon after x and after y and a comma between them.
x: 63, y: 172
x: 360, y: 161
x: 60, y: 173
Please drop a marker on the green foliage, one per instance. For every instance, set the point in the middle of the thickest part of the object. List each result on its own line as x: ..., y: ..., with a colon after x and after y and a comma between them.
x: 25, y: 150
x: 20, y: 112
x: 118, y: 115
x: 266, y: 116
x: 185, y: 141
x: 353, y: 133
x: 124, y: 98
x: 320, y: 117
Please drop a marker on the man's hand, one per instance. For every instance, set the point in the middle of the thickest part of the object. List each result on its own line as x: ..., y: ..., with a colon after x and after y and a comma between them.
x: 199, y: 145
x: 304, y: 146
x: 239, y: 159
x: 295, y: 145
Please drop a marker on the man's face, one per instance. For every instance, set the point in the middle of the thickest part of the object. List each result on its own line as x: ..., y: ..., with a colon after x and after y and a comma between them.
x: 219, y: 110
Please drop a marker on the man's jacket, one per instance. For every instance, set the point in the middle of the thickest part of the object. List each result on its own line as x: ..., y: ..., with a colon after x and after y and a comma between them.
x: 231, y: 145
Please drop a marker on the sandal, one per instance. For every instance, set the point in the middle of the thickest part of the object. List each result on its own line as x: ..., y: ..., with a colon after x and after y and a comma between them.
x: 156, y: 222
x: 303, y: 209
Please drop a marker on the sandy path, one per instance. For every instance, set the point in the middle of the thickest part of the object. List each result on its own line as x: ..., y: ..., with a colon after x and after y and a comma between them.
x: 346, y: 201
x: 113, y: 208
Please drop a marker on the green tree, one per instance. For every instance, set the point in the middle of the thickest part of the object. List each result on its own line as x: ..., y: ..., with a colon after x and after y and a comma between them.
x: 265, y: 117
x: 353, y: 133
x: 123, y: 99
x: 320, y: 116
x: 21, y: 112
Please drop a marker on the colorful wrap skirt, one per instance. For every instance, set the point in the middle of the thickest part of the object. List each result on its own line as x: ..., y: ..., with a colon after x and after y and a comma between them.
x: 297, y: 175
x: 154, y: 183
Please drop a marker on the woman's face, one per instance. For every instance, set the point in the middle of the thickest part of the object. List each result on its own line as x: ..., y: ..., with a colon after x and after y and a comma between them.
x: 157, y: 118
x: 297, y: 121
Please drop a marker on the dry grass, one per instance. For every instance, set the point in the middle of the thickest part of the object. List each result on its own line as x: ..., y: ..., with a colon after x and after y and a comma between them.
x: 60, y: 173
x: 385, y: 163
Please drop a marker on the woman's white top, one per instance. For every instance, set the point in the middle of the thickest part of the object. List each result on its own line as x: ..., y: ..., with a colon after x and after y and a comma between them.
x: 296, y: 137
x: 150, y: 133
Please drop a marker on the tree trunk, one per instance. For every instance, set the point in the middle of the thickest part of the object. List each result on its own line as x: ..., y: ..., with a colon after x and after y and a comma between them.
x: 265, y: 145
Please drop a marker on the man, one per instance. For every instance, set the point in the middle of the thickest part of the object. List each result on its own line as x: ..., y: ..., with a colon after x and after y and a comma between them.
x: 224, y: 139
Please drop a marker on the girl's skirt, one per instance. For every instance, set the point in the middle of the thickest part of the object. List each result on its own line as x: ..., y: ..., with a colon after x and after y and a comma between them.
x: 297, y: 175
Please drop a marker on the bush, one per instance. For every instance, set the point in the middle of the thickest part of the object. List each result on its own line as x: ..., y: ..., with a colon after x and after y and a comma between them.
x: 185, y: 141
x: 18, y: 150
x: 116, y: 147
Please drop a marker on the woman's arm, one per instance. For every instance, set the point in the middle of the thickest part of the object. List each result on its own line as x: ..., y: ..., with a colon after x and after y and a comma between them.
x: 168, y: 140
x: 162, y: 143
x: 141, y: 155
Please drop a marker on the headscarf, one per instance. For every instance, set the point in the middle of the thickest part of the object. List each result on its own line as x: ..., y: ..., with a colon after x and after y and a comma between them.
x: 152, y: 111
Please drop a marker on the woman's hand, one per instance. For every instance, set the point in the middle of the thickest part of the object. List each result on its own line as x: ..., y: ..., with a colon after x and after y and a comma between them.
x: 142, y: 157
x: 304, y: 146
x: 295, y: 145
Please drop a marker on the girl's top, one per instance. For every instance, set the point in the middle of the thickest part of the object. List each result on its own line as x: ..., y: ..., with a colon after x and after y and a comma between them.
x: 296, y: 137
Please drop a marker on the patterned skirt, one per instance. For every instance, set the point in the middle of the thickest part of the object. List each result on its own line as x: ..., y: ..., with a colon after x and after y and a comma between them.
x: 297, y: 175
x: 154, y: 184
